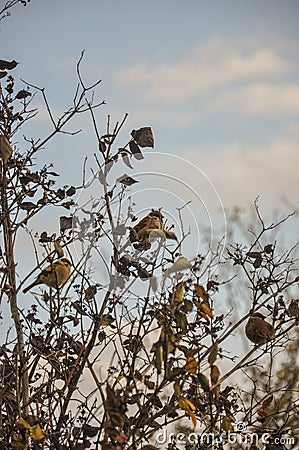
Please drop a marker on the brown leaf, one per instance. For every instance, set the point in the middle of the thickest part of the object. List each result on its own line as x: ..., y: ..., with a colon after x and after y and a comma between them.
x: 191, y: 364
x: 226, y: 424
x: 257, y: 263
x: 28, y: 206
x: 205, y: 310
x: 3, y: 74
x: 66, y: 223
x: 37, y: 433
x: 126, y: 180
x: 254, y: 254
x: 23, y: 94
x: 215, y: 373
x: 5, y: 149
x: 143, y: 137
x: 149, y: 384
x: 71, y: 191
x: 135, y: 150
x: 90, y: 292
x: 201, y: 292
x: 7, y: 65
x: 213, y: 354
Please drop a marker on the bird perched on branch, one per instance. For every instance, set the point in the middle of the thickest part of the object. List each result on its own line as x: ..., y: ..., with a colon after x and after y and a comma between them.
x: 258, y: 330
x: 151, y: 226
x: 54, y: 275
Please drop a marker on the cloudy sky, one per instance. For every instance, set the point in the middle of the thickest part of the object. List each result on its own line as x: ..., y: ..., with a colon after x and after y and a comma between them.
x: 217, y: 81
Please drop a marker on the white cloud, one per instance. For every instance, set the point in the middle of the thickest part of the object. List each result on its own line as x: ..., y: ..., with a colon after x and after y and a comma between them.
x: 260, y: 99
x: 210, y: 66
x: 240, y: 174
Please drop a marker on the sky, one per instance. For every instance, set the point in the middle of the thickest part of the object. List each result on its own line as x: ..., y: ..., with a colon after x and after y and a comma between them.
x: 217, y: 81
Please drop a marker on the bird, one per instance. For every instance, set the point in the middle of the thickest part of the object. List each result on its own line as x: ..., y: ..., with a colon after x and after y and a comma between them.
x: 150, y: 225
x: 53, y: 276
x: 258, y: 330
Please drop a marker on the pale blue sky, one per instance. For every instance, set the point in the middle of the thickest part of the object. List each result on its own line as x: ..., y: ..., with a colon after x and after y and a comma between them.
x: 217, y: 81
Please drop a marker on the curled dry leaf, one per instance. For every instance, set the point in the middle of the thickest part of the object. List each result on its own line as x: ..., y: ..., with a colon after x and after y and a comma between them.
x: 144, y: 137
x: 5, y: 149
x: 66, y: 223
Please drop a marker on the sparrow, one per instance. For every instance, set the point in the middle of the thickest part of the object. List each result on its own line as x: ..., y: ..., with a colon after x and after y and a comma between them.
x: 258, y: 330
x: 152, y: 224
x: 54, y: 275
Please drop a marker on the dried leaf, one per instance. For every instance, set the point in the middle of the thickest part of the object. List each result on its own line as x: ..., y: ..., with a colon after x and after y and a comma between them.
x: 7, y: 65
x: 215, y: 373
x: 102, y: 178
x: 28, y: 206
x: 66, y: 223
x: 143, y: 137
x: 213, y: 354
x: 5, y: 149
x: 90, y: 292
x: 254, y: 254
x: 201, y: 292
x: 205, y: 310
x: 3, y: 74
x: 179, y: 292
x: 36, y: 433
x: 191, y: 364
x: 188, y: 406
x: 23, y: 94
x: 24, y: 423
x: 71, y: 191
x: 180, y: 264
x: 102, y: 147
x: 135, y: 150
x: 126, y: 180
x: 226, y: 424
x: 257, y: 263
x: 126, y: 160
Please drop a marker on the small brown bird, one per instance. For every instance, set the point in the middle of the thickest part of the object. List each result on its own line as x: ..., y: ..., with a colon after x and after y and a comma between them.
x: 150, y: 224
x: 54, y: 275
x: 258, y: 330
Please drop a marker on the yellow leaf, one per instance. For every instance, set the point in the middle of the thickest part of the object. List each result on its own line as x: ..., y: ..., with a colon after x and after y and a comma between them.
x: 188, y: 406
x: 201, y: 292
x: 179, y: 291
x: 180, y: 264
x: 213, y: 354
x: 37, y: 433
x: 191, y: 364
x: 24, y: 423
x: 226, y: 424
